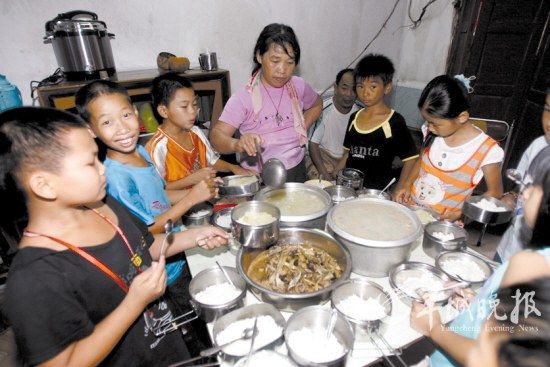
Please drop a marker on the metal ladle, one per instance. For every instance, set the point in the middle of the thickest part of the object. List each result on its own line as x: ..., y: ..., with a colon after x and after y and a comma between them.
x: 516, y: 177
x: 274, y: 173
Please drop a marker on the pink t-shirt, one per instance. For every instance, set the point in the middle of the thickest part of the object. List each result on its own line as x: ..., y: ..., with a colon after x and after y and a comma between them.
x: 279, y: 140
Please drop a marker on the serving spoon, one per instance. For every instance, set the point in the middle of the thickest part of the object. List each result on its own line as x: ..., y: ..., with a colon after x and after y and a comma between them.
x: 387, y: 186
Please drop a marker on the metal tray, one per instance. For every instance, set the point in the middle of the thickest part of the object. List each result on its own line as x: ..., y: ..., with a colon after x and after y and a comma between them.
x: 240, y: 190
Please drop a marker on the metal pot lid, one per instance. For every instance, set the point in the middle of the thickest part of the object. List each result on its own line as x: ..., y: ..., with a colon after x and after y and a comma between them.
x: 76, y: 20
x: 268, y: 192
x: 375, y: 206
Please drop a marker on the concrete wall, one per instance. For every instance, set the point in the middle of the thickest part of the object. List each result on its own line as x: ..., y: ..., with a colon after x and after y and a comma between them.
x: 331, y: 34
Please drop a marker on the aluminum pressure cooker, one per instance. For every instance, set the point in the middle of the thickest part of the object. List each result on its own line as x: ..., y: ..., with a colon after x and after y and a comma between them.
x: 81, y: 45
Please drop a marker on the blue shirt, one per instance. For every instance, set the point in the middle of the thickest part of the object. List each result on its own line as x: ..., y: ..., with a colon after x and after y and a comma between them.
x: 471, y: 320
x: 141, y: 190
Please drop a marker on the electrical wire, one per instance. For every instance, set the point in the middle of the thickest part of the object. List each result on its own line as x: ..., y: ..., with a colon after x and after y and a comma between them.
x: 416, y: 23
x: 56, y: 78
x: 371, y: 41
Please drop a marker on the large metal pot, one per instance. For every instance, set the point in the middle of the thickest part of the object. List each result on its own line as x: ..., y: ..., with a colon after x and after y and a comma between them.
x: 375, y: 258
x: 81, y: 45
x: 315, y: 219
x: 293, y: 302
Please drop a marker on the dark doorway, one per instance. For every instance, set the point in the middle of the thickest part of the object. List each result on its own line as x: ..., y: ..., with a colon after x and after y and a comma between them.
x: 504, y: 43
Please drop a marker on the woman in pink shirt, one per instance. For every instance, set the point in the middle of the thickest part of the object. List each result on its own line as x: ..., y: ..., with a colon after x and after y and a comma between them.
x: 273, y: 110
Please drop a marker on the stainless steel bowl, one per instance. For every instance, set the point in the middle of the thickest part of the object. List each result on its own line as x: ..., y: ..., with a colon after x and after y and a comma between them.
x: 363, y: 289
x: 350, y: 177
x: 275, y: 358
x: 340, y: 193
x: 252, y: 236
x: 213, y: 276
x: 464, y: 256
x: 433, y: 246
x: 375, y: 258
x: 472, y: 211
x: 238, y: 190
x: 373, y: 194
x: 249, y: 312
x: 415, y: 269
x: 293, y: 302
x: 223, y: 213
x: 191, y: 219
x: 318, y: 318
x: 315, y: 219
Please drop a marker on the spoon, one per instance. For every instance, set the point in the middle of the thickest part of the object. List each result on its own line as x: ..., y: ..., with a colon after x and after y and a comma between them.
x: 516, y: 177
x: 246, y: 334
x: 254, y: 334
x: 274, y: 173
x: 331, y: 324
x: 225, y: 274
x: 169, y: 238
x: 387, y: 186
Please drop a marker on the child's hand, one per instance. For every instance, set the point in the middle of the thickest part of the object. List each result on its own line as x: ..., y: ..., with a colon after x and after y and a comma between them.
x: 204, y: 190
x: 210, y: 237
x: 424, y: 316
x: 401, y: 195
x: 204, y: 174
x: 149, y: 285
x: 462, y: 298
x: 247, y: 143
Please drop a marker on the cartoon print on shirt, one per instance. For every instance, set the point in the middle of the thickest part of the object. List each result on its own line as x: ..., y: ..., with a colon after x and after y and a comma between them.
x: 430, y: 189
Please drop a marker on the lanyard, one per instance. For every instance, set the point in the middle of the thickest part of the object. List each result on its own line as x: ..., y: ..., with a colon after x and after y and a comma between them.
x: 135, y: 258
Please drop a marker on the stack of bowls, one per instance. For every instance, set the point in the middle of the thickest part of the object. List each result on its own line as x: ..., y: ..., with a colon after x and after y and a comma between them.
x: 434, y: 245
x: 350, y: 177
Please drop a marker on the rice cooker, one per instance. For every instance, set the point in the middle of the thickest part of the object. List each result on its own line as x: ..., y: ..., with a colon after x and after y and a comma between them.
x: 81, y: 45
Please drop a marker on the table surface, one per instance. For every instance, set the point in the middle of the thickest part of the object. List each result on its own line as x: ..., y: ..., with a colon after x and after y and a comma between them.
x: 395, y: 329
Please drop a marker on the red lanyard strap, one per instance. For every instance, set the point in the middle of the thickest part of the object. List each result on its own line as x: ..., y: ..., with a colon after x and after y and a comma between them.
x: 87, y: 256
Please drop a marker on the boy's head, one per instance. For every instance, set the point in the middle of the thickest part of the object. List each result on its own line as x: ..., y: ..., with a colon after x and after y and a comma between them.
x: 344, y: 89
x: 174, y: 100
x: 48, y: 152
x: 373, y: 78
x: 107, y: 107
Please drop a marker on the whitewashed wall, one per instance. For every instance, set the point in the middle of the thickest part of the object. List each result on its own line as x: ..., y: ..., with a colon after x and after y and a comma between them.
x: 331, y: 34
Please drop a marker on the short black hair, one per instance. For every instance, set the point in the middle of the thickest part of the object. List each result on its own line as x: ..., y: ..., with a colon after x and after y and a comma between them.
x: 34, y: 138
x: 92, y: 90
x: 276, y: 33
x: 341, y: 74
x: 374, y: 65
x: 164, y: 88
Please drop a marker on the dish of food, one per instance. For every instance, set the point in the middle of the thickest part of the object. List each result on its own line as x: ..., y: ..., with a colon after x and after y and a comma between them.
x: 306, y: 341
x: 268, y: 331
x: 443, y: 236
x: 218, y: 294
x: 489, y: 206
x: 373, y: 221
x: 199, y: 213
x: 242, y: 180
x: 358, y: 308
x: 294, y: 268
x: 251, y: 218
x: 319, y: 183
x: 464, y: 268
x: 293, y: 203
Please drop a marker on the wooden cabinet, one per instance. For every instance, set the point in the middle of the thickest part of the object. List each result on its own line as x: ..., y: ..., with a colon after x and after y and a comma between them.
x: 212, y: 88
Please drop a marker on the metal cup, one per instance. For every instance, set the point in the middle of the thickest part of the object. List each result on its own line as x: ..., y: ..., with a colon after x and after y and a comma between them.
x: 208, y: 61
